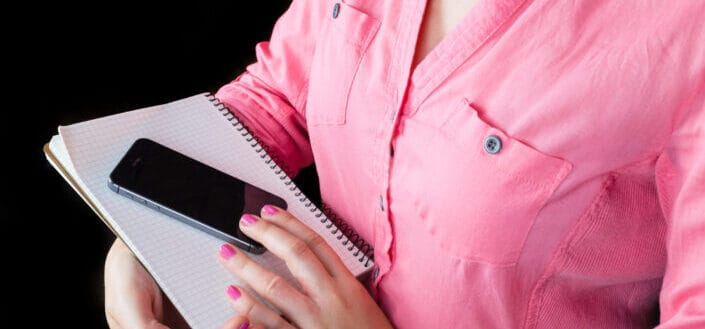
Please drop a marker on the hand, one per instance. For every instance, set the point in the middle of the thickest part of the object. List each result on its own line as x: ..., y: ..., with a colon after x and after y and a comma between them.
x: 331, y: 296
x: 132, y: 298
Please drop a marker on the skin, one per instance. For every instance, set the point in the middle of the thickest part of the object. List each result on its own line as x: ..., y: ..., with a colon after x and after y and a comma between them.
x: 132, y: 298
x: 141, y: 293
x: 439, y: 19
x: 332, y: 297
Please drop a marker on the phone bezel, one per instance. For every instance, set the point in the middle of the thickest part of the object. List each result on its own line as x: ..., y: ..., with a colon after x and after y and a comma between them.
x: 195, y: 223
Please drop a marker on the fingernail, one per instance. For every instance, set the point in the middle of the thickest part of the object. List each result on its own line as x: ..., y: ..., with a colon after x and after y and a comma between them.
x: 248, y: 219
x: 245, y: 325
x: 269, y: 210
x: 233, y: 292
x: 227, y: 251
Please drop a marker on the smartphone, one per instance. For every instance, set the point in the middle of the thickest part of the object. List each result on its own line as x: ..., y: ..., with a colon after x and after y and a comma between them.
x: 190, y: 191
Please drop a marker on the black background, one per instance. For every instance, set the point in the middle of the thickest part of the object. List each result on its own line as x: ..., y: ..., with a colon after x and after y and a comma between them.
x: 70, y: 64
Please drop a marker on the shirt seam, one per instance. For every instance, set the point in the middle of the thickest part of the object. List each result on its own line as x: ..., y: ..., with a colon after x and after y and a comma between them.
x: 575, y: 234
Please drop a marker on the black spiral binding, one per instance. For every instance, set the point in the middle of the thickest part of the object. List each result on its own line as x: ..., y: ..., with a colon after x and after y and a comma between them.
x: 335, y: 224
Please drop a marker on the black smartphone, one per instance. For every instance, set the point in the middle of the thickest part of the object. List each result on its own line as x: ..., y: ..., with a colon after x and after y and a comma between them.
x: 190, y: 191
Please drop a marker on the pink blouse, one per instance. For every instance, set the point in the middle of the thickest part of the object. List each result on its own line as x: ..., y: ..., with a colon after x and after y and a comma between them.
x: 542, y: 167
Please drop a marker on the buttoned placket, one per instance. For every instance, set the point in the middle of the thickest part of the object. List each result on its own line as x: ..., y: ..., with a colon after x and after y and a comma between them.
x: 386, y: 135
x: 384, y: 237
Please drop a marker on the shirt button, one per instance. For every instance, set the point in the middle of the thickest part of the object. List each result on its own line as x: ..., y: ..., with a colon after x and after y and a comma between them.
x: 493, y: 144
x: 381, y: 203
x: 376, y: 273
x: 336, y: 10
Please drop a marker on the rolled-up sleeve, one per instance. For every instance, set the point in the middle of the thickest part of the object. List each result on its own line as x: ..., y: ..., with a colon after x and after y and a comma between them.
x: 270, y: 96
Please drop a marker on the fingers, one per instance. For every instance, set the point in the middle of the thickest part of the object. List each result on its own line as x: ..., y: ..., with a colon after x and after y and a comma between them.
x: 132, y: 298
x: 299, y: 258
x: 240, y: 322
x: 248, y: 308
x: 267, y: 284
x: 328, y: 257
x: 310, y: 259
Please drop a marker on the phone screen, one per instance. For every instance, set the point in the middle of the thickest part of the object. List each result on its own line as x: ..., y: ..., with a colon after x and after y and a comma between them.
x: 190, y: 191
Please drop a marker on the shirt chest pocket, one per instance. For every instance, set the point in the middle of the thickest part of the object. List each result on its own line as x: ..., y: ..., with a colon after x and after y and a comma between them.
x: 345, y: 36
x: 486, y: 188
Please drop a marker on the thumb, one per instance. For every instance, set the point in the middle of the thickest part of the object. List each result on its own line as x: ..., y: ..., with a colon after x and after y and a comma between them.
x: 132, y: 298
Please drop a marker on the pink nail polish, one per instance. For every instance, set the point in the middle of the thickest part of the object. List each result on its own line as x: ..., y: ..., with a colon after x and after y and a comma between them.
x: 245, y: 325
x: 269, y: 210
x: 234, y: 293
x: 227, y: 251
x: 248, y: 219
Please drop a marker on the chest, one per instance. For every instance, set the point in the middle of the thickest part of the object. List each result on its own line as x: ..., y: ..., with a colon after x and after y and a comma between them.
x: 554, y: 88
x: 440, y: 17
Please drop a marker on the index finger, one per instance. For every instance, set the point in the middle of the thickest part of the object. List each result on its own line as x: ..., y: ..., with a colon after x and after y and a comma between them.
x: 322, y: 249
x: 303, y: 263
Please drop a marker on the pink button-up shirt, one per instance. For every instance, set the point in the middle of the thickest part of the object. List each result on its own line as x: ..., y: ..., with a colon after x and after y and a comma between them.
x: 542, y: 167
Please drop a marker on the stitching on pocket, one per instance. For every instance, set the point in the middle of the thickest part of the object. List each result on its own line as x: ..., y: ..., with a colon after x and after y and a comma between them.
x: 536, y: 177
x: 340, y: 50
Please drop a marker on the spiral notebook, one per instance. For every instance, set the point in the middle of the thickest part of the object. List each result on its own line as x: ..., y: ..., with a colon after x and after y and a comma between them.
x: 180, y: 258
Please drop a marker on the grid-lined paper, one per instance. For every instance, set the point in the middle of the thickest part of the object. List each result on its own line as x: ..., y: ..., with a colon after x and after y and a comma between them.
x: 181, y: 258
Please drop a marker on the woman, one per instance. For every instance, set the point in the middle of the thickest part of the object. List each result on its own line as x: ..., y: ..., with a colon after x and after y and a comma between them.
x: 516, y: 164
